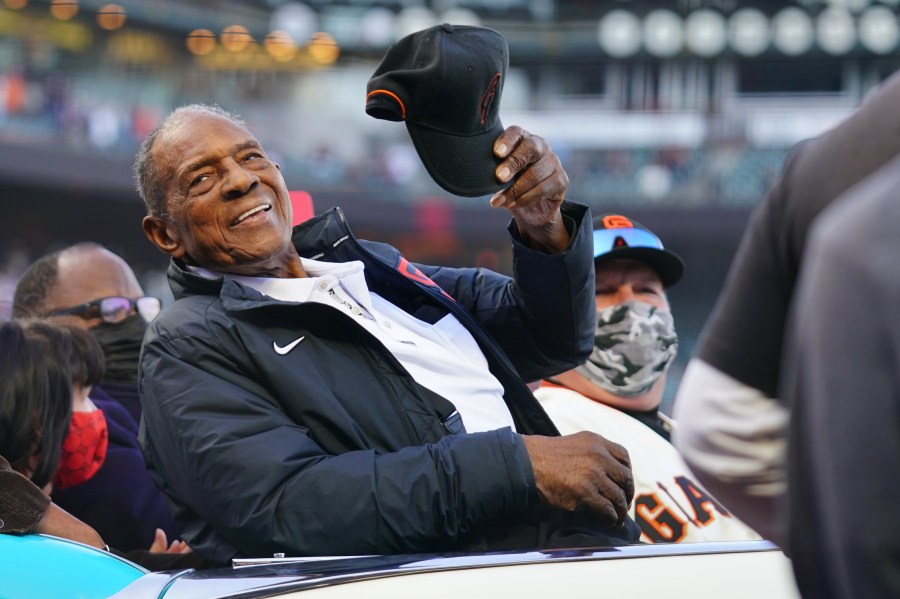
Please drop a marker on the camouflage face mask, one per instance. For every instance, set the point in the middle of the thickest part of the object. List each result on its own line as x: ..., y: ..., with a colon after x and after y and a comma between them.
x: 634, y: 343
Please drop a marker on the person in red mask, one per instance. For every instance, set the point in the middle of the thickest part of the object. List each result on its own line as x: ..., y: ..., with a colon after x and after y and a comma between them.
x: 35, y: 397
x: 87, y: 440
x: 44, y: 445
x: 35, y: 412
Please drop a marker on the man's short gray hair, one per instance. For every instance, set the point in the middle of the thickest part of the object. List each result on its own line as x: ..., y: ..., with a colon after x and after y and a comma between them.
x: 147, y: 177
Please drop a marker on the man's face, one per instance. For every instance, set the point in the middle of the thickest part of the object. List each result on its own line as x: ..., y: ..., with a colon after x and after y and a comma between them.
x: 622, y: 280
x: 229, y: 206
x: 87, y: 274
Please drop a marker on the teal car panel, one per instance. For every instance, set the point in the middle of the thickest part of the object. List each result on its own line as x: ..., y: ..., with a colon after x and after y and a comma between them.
x: 38, y: 567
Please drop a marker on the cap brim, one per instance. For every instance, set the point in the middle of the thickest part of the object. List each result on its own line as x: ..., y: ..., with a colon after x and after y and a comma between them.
x: 667, y: 265
x: 462, y: 165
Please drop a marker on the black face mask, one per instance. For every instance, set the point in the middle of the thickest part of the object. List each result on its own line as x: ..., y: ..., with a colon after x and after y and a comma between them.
x: 121, y: 343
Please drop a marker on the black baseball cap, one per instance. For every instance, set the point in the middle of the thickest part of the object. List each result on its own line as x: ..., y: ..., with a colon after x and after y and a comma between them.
x: 617, y: 236
x: 445, y: 83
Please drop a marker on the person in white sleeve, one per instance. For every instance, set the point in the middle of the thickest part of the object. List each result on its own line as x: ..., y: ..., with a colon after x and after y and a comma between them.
x: 617, y: 392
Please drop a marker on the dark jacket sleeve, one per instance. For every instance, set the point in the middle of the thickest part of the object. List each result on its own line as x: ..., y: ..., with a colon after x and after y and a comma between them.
x: 544, y: 316
x: 22, y: 503
x: 264, y: 485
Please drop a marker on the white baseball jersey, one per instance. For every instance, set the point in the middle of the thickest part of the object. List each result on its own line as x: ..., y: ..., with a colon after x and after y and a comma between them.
x: 669, y: 506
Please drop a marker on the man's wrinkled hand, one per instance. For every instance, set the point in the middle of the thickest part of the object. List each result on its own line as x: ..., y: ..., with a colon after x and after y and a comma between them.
x: 538, y: 191
x: 583, y: 471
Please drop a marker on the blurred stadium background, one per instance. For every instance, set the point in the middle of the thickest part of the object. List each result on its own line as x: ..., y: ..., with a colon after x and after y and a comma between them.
x: 676, y: 113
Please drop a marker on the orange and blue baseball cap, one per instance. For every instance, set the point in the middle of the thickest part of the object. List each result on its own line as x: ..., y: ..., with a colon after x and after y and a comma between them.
x: 617, y: 236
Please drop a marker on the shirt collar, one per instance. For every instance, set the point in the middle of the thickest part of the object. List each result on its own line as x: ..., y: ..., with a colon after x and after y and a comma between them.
x: 348, y: 274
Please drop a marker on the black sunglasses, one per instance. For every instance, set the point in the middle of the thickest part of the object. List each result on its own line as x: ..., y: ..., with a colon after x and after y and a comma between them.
x: 114, y: 309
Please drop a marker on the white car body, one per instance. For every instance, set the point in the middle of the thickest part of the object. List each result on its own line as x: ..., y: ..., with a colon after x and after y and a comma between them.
x: 736, y: 570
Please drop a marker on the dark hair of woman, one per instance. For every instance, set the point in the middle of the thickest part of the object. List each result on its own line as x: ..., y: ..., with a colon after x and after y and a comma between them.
x: 86, y: 361
x: 35, y: 396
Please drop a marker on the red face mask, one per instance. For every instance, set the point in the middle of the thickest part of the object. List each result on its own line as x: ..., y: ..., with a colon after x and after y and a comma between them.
x: 83, y: 450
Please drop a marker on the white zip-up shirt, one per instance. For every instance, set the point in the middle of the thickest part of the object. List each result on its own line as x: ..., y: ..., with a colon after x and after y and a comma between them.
x: 443, y: 357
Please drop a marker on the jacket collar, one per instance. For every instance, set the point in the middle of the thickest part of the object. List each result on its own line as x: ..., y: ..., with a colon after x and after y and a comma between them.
x: 316, y: 238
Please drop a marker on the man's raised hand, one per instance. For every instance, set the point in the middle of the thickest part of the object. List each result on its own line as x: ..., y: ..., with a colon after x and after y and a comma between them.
x: 539, y: 188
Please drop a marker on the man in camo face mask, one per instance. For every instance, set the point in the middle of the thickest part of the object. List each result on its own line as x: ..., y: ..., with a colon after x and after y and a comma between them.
x: 617, y: 392
x: 635, y: 340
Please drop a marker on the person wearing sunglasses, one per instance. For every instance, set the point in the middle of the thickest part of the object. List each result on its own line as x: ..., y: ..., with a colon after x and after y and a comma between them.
x: 617, y: 391
x: 91, y: 288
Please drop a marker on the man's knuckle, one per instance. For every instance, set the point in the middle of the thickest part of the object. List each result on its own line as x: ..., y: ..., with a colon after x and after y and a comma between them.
x: 583, y: 487
x: 516, y: 162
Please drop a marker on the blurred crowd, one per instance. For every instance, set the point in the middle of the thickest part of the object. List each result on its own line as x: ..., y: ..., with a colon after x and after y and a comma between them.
x: 725, y: 464
x: 53, y: 109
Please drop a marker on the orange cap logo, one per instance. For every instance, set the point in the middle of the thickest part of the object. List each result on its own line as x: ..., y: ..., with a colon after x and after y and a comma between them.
x: 616, y: 221
x: 487, y: 98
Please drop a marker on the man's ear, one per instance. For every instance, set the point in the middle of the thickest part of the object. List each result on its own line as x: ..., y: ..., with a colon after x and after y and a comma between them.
x: 162, y: 234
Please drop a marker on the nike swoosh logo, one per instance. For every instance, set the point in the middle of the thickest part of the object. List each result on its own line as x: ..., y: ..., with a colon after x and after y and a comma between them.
x: 283, y: 350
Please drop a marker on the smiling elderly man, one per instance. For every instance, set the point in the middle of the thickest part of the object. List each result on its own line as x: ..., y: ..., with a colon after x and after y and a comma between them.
x: 316, y: 394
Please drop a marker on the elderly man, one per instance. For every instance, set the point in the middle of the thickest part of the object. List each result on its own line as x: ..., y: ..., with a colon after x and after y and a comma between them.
x: 617, y: 391
x: 316, y: 394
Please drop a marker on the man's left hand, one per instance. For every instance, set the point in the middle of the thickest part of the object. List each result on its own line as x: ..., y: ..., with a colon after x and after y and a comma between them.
x: 537, y: 192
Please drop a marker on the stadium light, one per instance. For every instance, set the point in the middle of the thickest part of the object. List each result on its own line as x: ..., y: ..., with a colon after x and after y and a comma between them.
x: 235, y: 38
x: 836, y: 31
x: 111, y: 17
x: 64, y: 9
x: 663, y: 33
x: 280, y: 46
x: 619, y: 33
x: 748, y: 32
x: 376, y: 30
x: 878, y: 30
x: 323, y: 48
x: 705, y: 32
x: 793, y: 31
x: 200, y: 42
x: 296, y: 19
